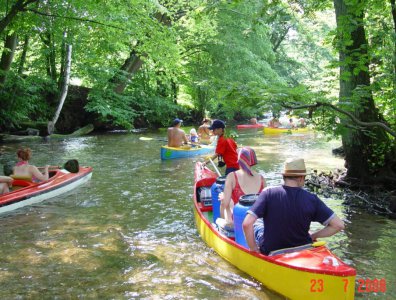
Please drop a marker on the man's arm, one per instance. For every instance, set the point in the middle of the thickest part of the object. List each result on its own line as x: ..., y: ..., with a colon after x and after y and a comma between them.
x: 209, y: 157
x: 249, y: 233
x: 185, y: 140
x: 6, y: 179
x: 170, y: 141
x: 335, y: 225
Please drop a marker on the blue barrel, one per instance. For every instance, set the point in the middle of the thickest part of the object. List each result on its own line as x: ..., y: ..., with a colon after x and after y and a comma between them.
x: 216, y: 189
x: 240, y: 209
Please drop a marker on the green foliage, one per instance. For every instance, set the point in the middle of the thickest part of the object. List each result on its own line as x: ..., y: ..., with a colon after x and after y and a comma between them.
x: 24, y: 99
x: 111, y: 107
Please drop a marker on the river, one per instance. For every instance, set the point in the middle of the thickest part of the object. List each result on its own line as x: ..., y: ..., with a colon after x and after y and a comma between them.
x: 130, y: 233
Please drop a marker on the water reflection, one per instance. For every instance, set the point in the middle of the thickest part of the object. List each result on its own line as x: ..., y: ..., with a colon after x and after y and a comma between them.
x: 130, y: 233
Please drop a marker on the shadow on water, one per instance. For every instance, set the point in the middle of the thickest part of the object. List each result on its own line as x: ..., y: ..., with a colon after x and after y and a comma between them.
x: 130, y: 234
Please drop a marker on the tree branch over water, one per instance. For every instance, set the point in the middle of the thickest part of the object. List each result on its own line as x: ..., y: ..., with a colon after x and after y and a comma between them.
x: 344, y: 112
x: 74, y: 18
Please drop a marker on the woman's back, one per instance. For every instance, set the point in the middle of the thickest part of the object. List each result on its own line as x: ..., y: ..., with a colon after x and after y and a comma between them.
x: 26, y: 171
x: 244, y: 184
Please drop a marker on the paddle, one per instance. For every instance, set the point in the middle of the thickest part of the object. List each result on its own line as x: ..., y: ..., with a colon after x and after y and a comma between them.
x: 144, y: 138
x: 214, y: 166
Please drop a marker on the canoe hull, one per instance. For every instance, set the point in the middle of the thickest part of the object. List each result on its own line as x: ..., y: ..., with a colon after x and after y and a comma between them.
x: 32, y: 193
x: 172, y: 153
x: 272, y: 130
x: 298, y: 275
x: 247, y: 126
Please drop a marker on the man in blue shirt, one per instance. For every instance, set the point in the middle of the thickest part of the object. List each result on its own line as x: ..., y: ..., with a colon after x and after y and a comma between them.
x: 287, y: 212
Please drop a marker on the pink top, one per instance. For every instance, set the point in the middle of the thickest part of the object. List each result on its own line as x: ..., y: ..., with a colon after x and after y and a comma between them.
x: 237, y: 192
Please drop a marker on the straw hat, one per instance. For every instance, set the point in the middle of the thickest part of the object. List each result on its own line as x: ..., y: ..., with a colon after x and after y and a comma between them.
x: 294, y: 167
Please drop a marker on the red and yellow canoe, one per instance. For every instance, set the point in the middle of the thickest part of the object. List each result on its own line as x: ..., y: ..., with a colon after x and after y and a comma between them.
x: 26, y: 192
x: 247, y: 126
x: 314, y: 273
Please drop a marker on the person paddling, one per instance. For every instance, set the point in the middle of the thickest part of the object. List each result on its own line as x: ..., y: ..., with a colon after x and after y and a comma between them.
x: 226, y: 147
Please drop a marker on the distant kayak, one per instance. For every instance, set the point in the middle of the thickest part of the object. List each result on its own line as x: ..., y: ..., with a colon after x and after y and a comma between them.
x: 172, y: 152
x: 277, y: 130
x: 247, y: 126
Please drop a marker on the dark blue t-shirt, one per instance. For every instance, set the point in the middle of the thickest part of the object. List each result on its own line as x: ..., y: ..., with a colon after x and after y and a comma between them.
x: 288, y: 213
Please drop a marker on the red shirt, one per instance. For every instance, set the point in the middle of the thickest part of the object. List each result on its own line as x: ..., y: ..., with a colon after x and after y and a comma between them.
x: 226, y: 147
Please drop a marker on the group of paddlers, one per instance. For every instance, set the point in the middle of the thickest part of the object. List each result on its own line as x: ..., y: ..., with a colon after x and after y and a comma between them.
x: 178, y: 138
x: 281, y: 216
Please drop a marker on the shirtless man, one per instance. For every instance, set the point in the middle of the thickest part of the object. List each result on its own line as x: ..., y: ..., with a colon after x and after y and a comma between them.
x: 176, y: 136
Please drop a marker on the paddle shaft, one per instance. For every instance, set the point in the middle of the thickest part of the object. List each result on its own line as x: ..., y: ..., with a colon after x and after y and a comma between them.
x: 49, y: 167
x: 214, y: 166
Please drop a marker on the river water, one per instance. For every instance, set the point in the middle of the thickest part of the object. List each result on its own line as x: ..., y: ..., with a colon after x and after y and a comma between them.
x: 130, y: 233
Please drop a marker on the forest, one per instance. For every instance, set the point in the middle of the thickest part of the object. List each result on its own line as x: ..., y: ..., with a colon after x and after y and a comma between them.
x: 141, y: 63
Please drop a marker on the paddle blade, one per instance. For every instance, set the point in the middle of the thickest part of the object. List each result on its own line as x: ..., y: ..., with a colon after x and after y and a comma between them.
x: 72, y: 166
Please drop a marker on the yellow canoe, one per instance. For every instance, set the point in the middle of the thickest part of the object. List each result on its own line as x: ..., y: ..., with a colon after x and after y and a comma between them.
x: 274, y: 130
x: 313, y: 273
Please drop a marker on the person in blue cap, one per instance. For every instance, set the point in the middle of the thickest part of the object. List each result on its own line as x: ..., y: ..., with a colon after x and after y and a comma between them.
x: 176, y: 136
x: 226, y: 147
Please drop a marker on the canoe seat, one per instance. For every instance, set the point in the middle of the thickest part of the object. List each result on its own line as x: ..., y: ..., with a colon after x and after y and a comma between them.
x: 23, y: 178
x: 290, y: 250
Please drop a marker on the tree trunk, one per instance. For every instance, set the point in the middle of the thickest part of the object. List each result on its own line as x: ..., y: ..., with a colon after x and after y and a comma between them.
x: 393, y: 6
x: 131, y: 65
x: 7, y: 57
x: 50, y: 55
x: 22, y: 61
x: 63, y: 60
x: 63, y: 94
x: 355, y: 91
x: 134, y: 62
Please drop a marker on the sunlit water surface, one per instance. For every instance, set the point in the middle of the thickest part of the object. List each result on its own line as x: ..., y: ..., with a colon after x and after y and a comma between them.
x: 130, y: 234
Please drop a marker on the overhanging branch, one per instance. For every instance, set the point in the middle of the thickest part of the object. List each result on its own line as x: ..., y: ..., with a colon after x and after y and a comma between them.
x: 344, y: 112
x: 75, y: 18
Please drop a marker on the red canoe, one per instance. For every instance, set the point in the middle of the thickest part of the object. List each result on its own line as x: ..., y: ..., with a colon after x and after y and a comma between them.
x: 27, y: 192
x: 246, y: 126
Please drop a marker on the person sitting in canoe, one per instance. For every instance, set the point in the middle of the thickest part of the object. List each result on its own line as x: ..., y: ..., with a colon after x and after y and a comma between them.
x: 239, y: 183
x: 291, y: 124
x: 5, y: 184
x: 301, y: 123
x: 287, y: 212
x: 194, y: 137
x: 253, y: 121
x: 23, y: 170
x: 204, y: 132
x: 176, y: 136
x: 274, y: 122
x: 226, y: 147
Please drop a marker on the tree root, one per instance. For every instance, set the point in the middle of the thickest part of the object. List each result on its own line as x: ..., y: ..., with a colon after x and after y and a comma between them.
x: 373, y: 198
